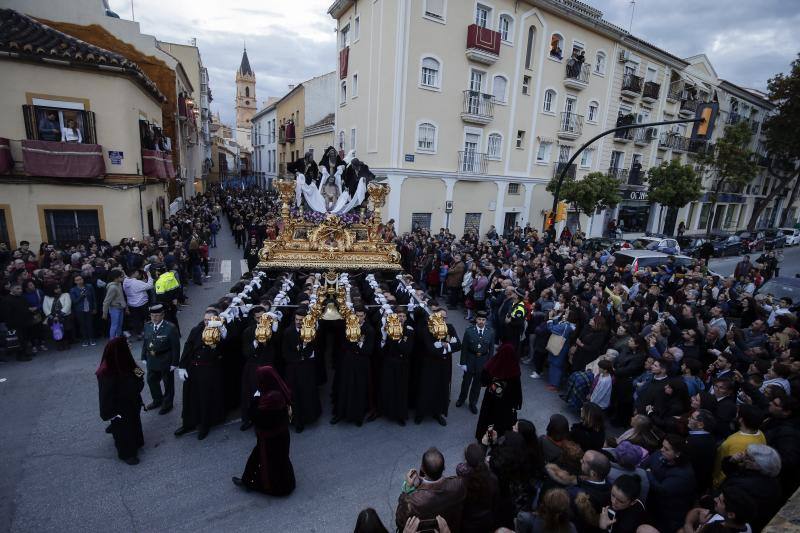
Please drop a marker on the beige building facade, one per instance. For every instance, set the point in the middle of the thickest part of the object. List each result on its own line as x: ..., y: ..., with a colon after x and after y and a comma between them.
x: 469, y: 111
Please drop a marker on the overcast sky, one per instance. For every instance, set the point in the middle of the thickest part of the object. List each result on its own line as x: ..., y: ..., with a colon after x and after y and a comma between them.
x: 289, y: 41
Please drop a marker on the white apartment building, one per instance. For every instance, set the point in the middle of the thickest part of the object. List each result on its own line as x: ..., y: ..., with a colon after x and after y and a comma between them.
x: 469, y: 110
x: 265, y: 145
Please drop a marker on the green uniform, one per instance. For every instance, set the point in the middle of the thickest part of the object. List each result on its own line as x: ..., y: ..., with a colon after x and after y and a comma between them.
x: 161, y: 350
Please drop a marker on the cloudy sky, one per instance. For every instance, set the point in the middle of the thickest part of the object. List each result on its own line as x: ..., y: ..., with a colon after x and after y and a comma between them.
x: 289, y: 41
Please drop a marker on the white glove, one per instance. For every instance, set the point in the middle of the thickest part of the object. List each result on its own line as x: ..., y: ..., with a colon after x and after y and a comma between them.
x: 438, y: 344
x: 255, y: 344
x: 257, y: 394
x: 172, y: 368
x: 463, y: 368
x: 183, y: 375
x: 452, y: 340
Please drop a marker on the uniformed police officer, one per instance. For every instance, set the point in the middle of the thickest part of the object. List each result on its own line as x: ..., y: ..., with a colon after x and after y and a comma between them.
x: 168, y: 288
x: 161, y: 351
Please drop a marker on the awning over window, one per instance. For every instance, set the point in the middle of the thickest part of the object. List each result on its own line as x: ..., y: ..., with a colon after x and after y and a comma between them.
x: 6, y: 162
x: 63, y: 160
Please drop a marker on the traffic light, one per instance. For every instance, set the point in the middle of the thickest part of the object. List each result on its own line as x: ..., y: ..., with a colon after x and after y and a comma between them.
x: 708, y: 112
x: 561, y: 213
x: 548, y: 219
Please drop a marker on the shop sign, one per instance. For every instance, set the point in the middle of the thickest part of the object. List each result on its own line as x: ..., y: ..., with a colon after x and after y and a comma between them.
x: 635, y: 195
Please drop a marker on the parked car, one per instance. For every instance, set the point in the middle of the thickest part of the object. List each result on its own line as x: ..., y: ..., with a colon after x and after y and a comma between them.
x: 667, y: 245
x: 690, y: 244
x: 773, y: 239
x: 753, y: 240
x: 641, y: 259
x: 598, y: 244
x: 792, y: 236
x: 730, y: 245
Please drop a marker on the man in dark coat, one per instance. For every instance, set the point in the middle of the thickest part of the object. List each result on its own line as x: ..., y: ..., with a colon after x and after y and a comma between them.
x: 255, y: 354
x: 435, y: 373
x: 200, y: 370
x: 353, y: 385
x: 301, y: 376
x: 701, y: 447
x: 393, y: 399
x: 161, y: 352
x: 16, y: 314
x: 251, y: 253
x: 476, y: 348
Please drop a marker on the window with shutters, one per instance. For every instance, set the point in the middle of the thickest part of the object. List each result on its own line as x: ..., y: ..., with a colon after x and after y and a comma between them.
x: 499, y: 85
x: 472, y: 222
x: 352, y: 138
x: 549, y: 104
x: 600, y: 63
x: 426, y: 137
x: 483, y: 16
x: 429, y: 76
x: 593, y: 112
x: 543, y: 155
x: 435, y: 9
x: 68, y: 226
x: 494, y: 146
x: 506, y: 28
x: 60, y: 121
x: 420, y: 221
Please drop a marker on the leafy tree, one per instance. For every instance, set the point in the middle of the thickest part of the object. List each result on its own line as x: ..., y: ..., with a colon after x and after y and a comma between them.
x: 730, y: 161
x: 673, y: 185
x: 595, y: 191
x: 783, y: 142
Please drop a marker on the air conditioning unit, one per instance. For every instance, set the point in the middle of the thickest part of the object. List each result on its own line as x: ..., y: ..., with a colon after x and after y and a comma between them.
x: 624, y: 55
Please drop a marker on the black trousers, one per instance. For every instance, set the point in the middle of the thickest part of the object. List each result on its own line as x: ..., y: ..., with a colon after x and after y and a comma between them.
x: 154, y: 380
x: 470, y: 385
x: 137, y: 318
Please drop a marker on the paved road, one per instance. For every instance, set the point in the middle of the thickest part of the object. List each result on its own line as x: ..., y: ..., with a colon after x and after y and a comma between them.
x: 789, y: 267
x: 60, y: 472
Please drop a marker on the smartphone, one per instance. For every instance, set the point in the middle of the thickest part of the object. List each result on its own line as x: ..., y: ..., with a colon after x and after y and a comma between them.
x: 611, y: 513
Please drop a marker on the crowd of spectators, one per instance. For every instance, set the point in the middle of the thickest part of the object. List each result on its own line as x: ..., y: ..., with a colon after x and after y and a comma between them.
x: 684, y: 383
x: 68, y: 292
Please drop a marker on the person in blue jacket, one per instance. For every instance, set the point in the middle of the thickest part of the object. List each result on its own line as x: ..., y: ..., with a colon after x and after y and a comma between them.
x: 84, y: 307
x: 563, y: 326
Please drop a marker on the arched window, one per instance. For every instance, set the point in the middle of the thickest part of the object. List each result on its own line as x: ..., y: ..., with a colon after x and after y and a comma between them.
x: 499, y: 89
x: 549, y: 104
x: 494, y: 146
x: 529, y: 49
x: 600, y: 63
x: 557, y: 46
x: 429, y: 77
x: 426, y: 137
x: 506, y: 28
x: 593, y: 112
x: 247, y: 92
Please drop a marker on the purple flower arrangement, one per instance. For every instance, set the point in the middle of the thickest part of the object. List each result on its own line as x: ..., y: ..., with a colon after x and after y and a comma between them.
x: 313, y: 217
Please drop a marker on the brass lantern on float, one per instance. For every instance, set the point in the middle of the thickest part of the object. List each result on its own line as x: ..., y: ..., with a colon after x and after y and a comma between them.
x: 264, y: 328
x: 437, y: 326
x: 308, y: 329
x: 212, y: 335
x: 352, y: 328
x: 394, y: 329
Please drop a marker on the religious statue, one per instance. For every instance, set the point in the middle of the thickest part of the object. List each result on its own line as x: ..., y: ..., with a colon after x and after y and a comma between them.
x: 335, y: 186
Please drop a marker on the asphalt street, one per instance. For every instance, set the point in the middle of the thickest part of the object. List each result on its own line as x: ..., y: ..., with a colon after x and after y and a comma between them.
x: 60, y: 471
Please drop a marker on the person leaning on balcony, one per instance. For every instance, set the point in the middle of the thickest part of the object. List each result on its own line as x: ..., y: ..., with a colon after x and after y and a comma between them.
x: 49, y: 127
x: 71, y: 134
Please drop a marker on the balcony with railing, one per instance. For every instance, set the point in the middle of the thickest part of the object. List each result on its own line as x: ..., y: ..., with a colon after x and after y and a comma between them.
x: 483, y: 44
x: 570, y: 126
x: 651, y: 91
x: 577, y: 76
x: 620, y: 174
x: 624, y: 136
x: 559, y: 167
x: 631, y: 85
x: 471, y: 162
x: 477, y: 108
x: 675, y: 91
x: 689, y: 107
x: 674, y: 141
x: 643, y: 136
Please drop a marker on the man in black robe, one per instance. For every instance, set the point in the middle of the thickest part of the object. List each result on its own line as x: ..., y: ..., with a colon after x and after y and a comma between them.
x: 255, y: 354
x: 436, y: 373
x: 353, y: 384
x: 301, y: 376
x: 200, y: 371
x: 393, y: 399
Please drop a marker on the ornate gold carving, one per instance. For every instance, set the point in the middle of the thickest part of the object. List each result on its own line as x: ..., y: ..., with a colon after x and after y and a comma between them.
x: 437, y: 326
x: 394, y: 329
x: 211, y: 336
x: 352, y: 329
x: 264, y: 328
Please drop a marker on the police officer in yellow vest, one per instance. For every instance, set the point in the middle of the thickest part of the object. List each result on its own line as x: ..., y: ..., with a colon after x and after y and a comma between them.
x: 514, y: 321
x: 167, y: 291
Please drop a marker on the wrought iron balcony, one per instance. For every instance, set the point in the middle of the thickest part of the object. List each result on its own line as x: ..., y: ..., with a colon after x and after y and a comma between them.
x: 620, y: 174
x: 673, y: 140
x: 483, y: 44
x: 675, y: 91
x: 570, y: 126
x: 651, y: 91
x: 477, y: 107
x: 632, y: 85
x: 470, y: 162
x: 689, y: 107
x: 571, y: 169
x: 577, y: 76
x: 643, y: 136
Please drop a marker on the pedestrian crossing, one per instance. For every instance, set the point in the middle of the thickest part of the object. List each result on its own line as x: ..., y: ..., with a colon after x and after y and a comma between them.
x: 225, y: 270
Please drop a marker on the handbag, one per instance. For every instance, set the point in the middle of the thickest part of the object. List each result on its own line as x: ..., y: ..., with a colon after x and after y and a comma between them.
x: 555, y: 343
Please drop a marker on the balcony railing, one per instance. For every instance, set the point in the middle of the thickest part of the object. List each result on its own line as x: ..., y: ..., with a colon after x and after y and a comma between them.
x: 675, y: 91
x: 632, y: 85
x: 571, y: 169
x: 673, y: 140
x: 55, y: 159
x: 690, y: 106
x: 644, y: 135
x: 483, y: 44
x: 651, y: 91
x: 620, y: 174
x: 570, y: 126
x: 577, y: 76
x: 471, y: 162
x: 477, y: 107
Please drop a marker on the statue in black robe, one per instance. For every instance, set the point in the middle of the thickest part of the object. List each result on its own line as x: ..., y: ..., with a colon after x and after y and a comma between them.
x: 436, y: 371
x: 330, y: 161
x: 354, y: 381
x: 301, y: 374
x: 394, y: 374
x: 203, y: 395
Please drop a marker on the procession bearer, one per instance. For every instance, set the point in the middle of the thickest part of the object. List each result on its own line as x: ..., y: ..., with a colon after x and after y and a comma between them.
x: 161, y: 351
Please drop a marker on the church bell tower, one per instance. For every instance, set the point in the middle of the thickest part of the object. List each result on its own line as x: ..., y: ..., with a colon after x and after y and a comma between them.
x: 245, y: 101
